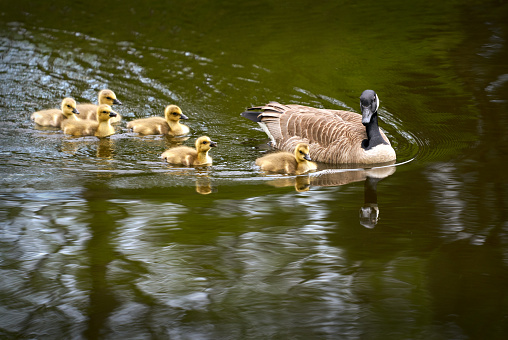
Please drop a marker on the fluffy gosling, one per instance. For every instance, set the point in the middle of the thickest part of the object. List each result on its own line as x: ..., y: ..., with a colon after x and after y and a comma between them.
x: 100, y: 128
x: 191, y: 157
x: 169, y: 125
x: 89, y: 111
x: 54, y: 117
x: 285, y: 162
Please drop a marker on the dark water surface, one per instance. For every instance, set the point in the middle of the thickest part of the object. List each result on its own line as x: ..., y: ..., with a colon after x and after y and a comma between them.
x: 100, y: 239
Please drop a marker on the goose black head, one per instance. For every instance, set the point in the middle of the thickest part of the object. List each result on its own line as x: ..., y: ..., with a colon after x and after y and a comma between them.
x: 369, y: 103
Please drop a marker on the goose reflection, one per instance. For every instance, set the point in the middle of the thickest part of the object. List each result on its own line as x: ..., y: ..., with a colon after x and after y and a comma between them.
x: 369, y: 212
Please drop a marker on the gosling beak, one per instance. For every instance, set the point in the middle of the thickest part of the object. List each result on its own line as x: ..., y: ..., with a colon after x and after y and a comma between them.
x: 112, y: 114
x: 366, y: 115
x: 213, y: 144
x: 182, y: 116
x: 117, y: 102
x: 307, y: 157
x: 75, y: 111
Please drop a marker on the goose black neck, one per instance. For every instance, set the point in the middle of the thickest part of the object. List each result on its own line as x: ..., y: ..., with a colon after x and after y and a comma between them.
x: 370, y: 190
x: 374, y: 136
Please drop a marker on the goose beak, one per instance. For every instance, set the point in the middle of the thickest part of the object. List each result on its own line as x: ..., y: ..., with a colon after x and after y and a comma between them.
x: 112, y: 114
x: 117, y: 102
x: 75, y: 111
x: 213, y: 144
x: 307, y: 157
x: 182, y: 116
x: 366, y: 115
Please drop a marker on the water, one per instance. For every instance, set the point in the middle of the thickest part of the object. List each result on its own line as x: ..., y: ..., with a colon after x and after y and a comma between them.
x: 100, y: 239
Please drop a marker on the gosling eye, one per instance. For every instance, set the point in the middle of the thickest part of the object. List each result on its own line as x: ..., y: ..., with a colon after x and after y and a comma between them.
x: 301, y: 152
x: 109, y: 98
x: 104, y: 111
x: 205, y: 142
x: 69, y: 106
x: 175, y: 114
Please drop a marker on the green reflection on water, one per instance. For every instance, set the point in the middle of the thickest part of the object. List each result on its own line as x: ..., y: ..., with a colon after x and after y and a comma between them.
x: 107, y: 241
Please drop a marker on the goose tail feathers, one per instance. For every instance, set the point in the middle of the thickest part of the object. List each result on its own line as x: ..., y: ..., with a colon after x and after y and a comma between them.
x: 252, y: 115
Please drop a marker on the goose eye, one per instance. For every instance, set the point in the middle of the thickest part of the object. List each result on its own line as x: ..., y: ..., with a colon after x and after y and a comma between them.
x: 204, y: 142
x: 109, y: 98
x: 69, y: 106
x: 175, y: 114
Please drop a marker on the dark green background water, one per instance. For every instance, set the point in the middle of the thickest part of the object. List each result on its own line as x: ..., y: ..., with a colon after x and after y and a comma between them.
x: 100, y: 239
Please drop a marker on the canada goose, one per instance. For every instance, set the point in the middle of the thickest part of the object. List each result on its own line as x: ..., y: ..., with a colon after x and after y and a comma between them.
x: 100, y: 128
x: 170, y: 124
x: 54, y: 117
x: 89, y: 111
x: 284, y: 162
x: 334, y: 136
x: 189, y: 156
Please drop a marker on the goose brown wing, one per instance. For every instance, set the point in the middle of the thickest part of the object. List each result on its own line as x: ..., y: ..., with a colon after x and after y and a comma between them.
x: 355, y: 119
x: 347, y: 116
x: 333, y: 136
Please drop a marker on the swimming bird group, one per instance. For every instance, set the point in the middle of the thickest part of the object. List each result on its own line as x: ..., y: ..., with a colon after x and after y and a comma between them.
x: 333, y: 136
x: 302, y: 134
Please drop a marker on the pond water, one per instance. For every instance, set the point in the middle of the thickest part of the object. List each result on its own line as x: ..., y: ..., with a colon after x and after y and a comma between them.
x: 101, y: 239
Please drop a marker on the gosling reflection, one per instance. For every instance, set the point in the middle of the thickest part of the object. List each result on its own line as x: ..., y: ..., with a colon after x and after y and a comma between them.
x: 203, y: 182
x: 203, y: 185
x: 105, y: 146
x: 301, y: 183
x: 172, y: 141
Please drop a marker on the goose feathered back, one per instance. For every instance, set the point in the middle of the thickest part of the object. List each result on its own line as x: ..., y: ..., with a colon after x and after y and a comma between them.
x: 334, y: 136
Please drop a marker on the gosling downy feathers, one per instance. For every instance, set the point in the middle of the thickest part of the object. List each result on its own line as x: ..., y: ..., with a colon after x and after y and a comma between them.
x: 54, y: 117
x: 285, y: 162
x: 334, y: 136
x: 89, y: 111
x: 189, y: 156
x: 170, y: 124
x: 100, y: 128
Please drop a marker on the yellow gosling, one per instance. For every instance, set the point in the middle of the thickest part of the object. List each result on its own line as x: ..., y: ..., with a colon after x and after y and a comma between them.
x: 54, y: 117
x: 188, y: 156
x: 169, y: 125
x: 285, y: 162
x: 89, y: 111
x: 99, y: 128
